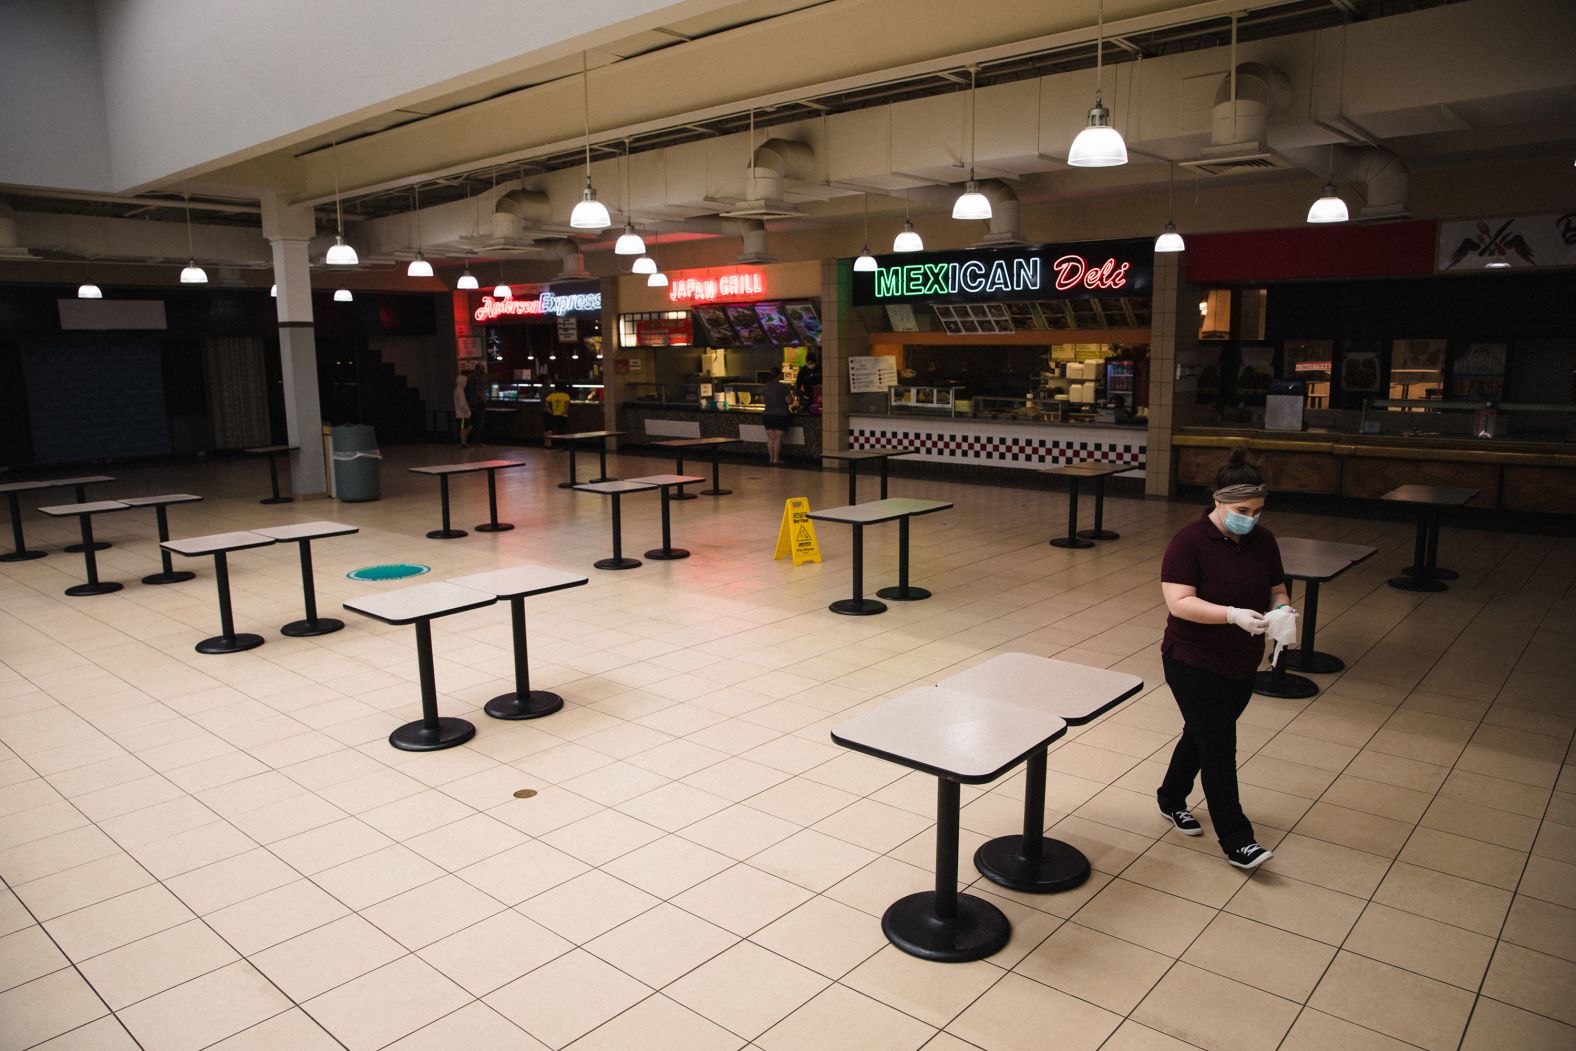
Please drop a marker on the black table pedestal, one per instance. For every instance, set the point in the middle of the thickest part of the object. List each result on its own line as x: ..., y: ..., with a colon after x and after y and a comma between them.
x: 273, y: 482
x: 492, y: 525
x: 227, y: 641
x: 20, y: 553
x: 943, y: 925
x: 1032, y: 862
x: 1432, y: 562
x: 1099, y: 532
x: 169, y: 575
x: 618, y: 561
x: 1278, y: 683
x: 601, y: 463
x: 430, y: 733
x: 667, y: 552
x: 445, y: 533
x: 1426, y: 580
x: 313, y: 624
x: 1305, y: 657
x: 853, y: 482
x: 573, y: 480
x: 858, y: 606
x: 678, y: 468
x: 94, y: 585
x: 903, y: 593
x: 1071, y: 539
x: 81, y: 492
x: 524, y: 702
x: 716, y: 479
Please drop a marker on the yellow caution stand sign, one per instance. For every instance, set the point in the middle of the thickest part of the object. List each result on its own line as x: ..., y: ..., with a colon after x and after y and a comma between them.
x: 796, y: 535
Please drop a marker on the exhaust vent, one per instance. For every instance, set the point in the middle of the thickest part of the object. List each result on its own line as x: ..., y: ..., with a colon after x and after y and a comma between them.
x: 1233, y: 163
x: 761, y: 210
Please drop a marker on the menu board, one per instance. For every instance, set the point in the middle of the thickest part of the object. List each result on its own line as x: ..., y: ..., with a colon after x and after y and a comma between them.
x: 746, y: 324
x: 719, y: 331
x: 1477, y: 372
x: 665, y: 332
x: 775, y: 323
x: 871, y: 375
x: 805, y: 321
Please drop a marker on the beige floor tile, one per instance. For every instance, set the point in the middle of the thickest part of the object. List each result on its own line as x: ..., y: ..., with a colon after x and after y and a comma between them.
x: 110, y: 924
x: 1131, y: 1036
x: 1549, y: 880
x: 874, y: 826
x: 488, y: 955
x: 660, y: 1024
x: 1262, y: 956
x: 603, y: 836
x: 275, y: 916
x: 425, y: 914
x: 385, y: 1004
x: 840, y: 1018
x: 1495, y: 1025
x: 1317, y: 1031
x: 1533, y: 981
x: 1444, y: 897
x: 1106, y: 971
x: 1392, y: 1001
x: 1203, y: 878
x: 1556, y: 841
x: 205, y: 1010
x: 742, y: 899
x: 294, y: 1029
x: 1329, y: 865
x: 466, y: 841
x: 522, y: 872
x: 473, y: 1026
x: 668, y: 866
x: 1300, y: 908
x: 1162, y: 922
x: 27, y: 954
x: 1353, y: 828
x: 1474, y: 821
x: 158, y: 962
x: 823, y: 935
x: 1212, y: 1011
x: 1375, y: 797
x: 26, y: 862
x: 1016, y: 1013
x: 83, y: 885
x: 1398, y: 771
x: 327, y: 957
x: 377, y: 876
x: 102, y: 1034
x: 1542, y: 926
x: 812, y: 859
x: 230, y: 881
x: 587, y: 906
x: 333, y: 844
x: 1473, y: 859
x: 561, y: 1001
x: 661, y: 945
x: 1417, y: 943
x: 47, y: 1007
x: 746, y: 989
x: 918, y: 987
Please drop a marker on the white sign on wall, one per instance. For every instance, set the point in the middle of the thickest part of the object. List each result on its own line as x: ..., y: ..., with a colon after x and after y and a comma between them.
x: 1519, y: 243
x: 871, y: 375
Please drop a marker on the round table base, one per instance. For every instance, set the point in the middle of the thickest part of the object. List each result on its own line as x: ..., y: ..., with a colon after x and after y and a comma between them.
x: 1437, y: 573
x: 567, y: 485
x: 857, y: 607
x: 229, y: 643
x: 1267, y: 684
x: 445, y: 534
x: 978, y: 930
x: 666, y: 554
x: 1071, y: 541
x: 1315, y: 663
x: 616, y: 563
x: 1099, y: 534
x: 536, y: 704
x: 103, y: 587
x: 172, y: 577
x: 494, y: 527
x: 1416, y: 584
x: 901, y: 594
x: 277, y: 500
x: 22, y: 556
x: 1060, y: 866
x: 77, y: 549
x: 416, y: 737
x: 305, y: 629
x: 683, y: 496
x: 716, y: 492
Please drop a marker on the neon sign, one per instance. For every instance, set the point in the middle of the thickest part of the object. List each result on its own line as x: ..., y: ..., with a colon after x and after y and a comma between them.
x: 709, y: 286
x: 548, y: 302
x: 1029, y: 273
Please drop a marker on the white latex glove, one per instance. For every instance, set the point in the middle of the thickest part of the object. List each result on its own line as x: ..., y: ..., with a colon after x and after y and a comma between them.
x: 1249, y: 621
x: 1281, y: 626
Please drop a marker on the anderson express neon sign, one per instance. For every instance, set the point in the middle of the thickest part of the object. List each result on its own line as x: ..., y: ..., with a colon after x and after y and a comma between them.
x: 976, y: 276
x: 547, y: 302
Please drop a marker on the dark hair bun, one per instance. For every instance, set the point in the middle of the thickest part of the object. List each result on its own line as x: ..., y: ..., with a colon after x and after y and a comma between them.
x: 1238, y: 455
x: 1237, y: 470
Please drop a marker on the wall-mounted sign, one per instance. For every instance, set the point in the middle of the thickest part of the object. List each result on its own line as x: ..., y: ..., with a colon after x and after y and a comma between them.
x: 1103, y: 268
x: 716, y: 285
x: 665, y: 332
x: 1518, y: 244
x: 569, y: 329
x: 533, y: 302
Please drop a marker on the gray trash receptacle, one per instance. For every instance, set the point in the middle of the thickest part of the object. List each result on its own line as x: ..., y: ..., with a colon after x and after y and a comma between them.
x: 356, y: 463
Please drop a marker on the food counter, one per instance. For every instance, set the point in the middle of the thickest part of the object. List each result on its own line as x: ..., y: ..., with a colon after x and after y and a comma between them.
x: 1023, y: 443
x: 1520, y: 476
x: 520, y: 419
x: 645, y: 422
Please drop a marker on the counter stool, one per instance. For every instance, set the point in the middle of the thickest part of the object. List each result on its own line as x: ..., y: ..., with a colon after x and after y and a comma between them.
x: 304, y: 533
x: 616, y: 489
x: 169, y: 575
x: 272, y: 452
x: 420, y: 605
x: 669, y: 484
x: 219, y: 545
x: 84, y: 513
x: 516, y: 584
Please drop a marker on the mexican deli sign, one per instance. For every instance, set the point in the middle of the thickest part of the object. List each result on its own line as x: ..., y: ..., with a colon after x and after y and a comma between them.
x: 1109, y: 268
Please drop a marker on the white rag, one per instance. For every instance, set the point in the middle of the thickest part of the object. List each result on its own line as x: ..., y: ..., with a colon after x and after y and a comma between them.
x: 1280, y: 626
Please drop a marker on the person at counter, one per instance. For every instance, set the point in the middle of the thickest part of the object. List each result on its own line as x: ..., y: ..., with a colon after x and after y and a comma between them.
x: 555, y: 413
x: 807, y: 382
x: 774, y: 395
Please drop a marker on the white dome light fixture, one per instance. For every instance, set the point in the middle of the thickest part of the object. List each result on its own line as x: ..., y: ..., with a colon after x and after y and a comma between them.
x: 502, y: 291
x: 419, y: 267
x: 273, y: 290
x: 1170, y: 240
x: 629, y: 242
x: 339, y: 253
x: 1329, y: 208
x: 971, y: 204
x: 908, y: 239
x: 342, y: 295
x: 467, y: 281
x: 1496, y: 264
x: 192, y: 274
x: 657, y: 280
x: 89, y: 291
x: 644, y: 265
x: 1099, y: 145
x: 589, y: 213
x: 655, y: 277
x: 866, y: 263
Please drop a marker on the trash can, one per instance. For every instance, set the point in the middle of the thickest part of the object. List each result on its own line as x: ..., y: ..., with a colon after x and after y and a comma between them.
x: 356, y: 460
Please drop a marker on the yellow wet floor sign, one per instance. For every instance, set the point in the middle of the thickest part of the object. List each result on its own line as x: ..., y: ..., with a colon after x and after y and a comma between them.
x: 797, y: 533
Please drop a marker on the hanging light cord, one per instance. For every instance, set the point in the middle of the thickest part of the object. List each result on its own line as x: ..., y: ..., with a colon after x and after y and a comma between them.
x: 973, y: 90
x: 417, y: 190
x: 190, y: 252
x: 585, y: 98
x: 1099, y: 48
x: 1171, y: 196
x: 339, y: 216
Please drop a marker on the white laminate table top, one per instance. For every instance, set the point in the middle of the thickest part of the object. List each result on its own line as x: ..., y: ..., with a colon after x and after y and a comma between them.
x: 880, y: 510
x: 162, y: 498
x: 586, y: 434
x: 21, y: 487
x: 308, y: 530
x: 961, y: 736
x: 684, y: 443
x: 92, y: 507
x: 513, y: 581
x: 1074, y: 692
x: 86, y: 479
x: 667, y: 479
x: 1319, y: 560
x: 422, y: 602
x: 474, y: 465
x: 214, y: 543
x: 1088, y: 469
x: 620, y: 486
x: 865, y: 454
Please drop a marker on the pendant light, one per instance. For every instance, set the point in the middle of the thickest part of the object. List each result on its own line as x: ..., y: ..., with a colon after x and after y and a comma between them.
x: 192, y: 274
x: 908, y: 239
x: 1170, y: 240
x: 467, y: 281
x: 590, y: 213
x: 273, y: 290
x: 419, y: 267
x: 629, y: 242
x: 971, y: 204
x: 339, y: 253
x: 644, y: 265
x: 1329, y: 208
x: 89, y: 291
x: 1099, y: 145
x: 657, y: 278
x: 342, y: 295
x: 866, y: 263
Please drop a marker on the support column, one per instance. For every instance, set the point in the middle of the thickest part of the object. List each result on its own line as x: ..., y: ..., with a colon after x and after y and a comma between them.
x: 289, y: 229
x: 842, y: 336
x: 1158, y: 477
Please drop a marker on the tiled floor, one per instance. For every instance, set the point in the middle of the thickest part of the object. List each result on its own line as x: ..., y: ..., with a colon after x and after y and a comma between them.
x: 223, y: 851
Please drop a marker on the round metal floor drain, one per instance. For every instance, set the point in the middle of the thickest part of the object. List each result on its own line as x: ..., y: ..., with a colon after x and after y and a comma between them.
x: 525, y: 793
x: 396, y: 571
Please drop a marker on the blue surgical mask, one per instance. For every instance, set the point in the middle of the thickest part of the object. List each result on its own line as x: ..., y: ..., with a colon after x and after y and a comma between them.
x: 1239, y: 524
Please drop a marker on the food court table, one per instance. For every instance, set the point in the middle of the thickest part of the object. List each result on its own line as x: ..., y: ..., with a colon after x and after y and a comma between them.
x: 855, y: 457
x: 219, y: 545
x: 573, y: 440
x: 443, y: 471
x: 273, y: 452
x: 84, y: 513
x: 303, y: 533
x: 861, y: 515
x: 1075, y: 473
x: 19, y: 552
x: 517, y: 583
x: 1424, y: 573
x: 668, y: 483
x: 678, y: 445
x: 616, y: 489
x: 160, y: 505
x: 1316, y: 562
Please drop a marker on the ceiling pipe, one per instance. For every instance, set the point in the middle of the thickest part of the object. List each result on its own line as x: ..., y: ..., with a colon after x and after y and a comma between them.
x: 1385, y: 179
x: 567, y: 249
x: 753, y: 232
x: 1003, y: 221
x: 773, y: 163
x: 517, y: 208
x: 1245, y: 101
x: 7, y: 227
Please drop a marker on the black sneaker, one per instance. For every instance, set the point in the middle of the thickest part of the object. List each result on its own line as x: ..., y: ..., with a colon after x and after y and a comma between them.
x: 1248, y: 857
x: 1184, y: 821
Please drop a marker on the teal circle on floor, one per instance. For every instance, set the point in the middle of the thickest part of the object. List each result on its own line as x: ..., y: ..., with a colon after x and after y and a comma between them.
x: 397, y: 571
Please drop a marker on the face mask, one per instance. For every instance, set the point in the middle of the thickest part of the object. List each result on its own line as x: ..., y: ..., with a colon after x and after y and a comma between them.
x: 1241, y: 525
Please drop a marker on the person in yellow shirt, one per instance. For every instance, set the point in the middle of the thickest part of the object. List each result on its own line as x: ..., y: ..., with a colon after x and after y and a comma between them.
x: 557, y: 416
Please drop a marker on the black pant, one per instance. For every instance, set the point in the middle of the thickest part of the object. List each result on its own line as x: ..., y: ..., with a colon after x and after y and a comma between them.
x: 1210, y: 706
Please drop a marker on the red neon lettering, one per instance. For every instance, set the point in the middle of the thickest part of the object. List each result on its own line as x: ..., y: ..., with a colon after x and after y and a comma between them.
x: 1072, y: 271
x: 710, y: 289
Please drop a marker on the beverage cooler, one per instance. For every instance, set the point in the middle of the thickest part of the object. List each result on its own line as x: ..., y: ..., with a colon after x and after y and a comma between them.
x: 1119, y: 378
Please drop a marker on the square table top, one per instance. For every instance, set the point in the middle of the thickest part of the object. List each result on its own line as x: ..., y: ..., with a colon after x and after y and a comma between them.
x: 880, y: 510
x: 463, y: 468
x: 1075, y: 693
x: 263, y: 450
x: 668, y: 479
x: 586, y: 434
x: 617, y: 486
x: 214, y: 543
x: 1088, y: 469
x: 865, y: 454
x: 162, y: 498
x: 1432, y: 495
x: 1319, y: 560
x: 518, y: 581
x: 308, y: 531
x: 960, y: 736
x: 84, y: 479
x: 422, y: 602
x: 92, y: 507
x: 19, y: 487
x: 681, y: 443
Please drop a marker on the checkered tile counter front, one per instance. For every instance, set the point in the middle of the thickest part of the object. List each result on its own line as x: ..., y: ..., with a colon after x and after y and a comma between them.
x: 999, y: 443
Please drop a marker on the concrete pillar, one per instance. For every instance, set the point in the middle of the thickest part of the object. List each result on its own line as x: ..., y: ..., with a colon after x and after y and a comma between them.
x: 1158, y: 476
x: 289, y: 229
x: 842, y: 336
x: 614, y: 383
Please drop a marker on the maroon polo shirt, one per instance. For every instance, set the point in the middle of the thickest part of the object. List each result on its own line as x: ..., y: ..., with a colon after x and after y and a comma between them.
x: 1228, y: 572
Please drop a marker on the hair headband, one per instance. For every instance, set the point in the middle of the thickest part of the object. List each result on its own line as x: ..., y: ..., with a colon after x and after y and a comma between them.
x: 1232, y: 493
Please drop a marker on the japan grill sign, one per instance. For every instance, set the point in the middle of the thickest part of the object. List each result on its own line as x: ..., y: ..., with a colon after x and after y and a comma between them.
x: 1119, y: 268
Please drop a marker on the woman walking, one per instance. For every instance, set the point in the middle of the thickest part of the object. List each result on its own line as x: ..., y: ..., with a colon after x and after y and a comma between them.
x: 1218, y: 575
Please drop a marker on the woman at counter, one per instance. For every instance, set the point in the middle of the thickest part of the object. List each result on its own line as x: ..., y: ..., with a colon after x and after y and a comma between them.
x: 774, y: 395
